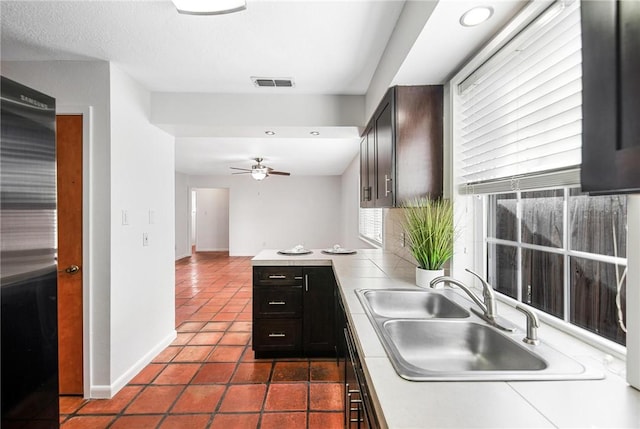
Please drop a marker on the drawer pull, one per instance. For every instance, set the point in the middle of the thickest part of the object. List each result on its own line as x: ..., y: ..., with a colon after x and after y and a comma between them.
x: 277, y: 303
x: 298, y: 277
x: 277, y: 335
x: 277, y: 276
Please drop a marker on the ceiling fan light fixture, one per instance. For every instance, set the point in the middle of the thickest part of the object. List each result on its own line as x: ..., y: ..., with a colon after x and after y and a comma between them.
x: 211, y: 7
x: 259, y: 173
x: 476, y: 16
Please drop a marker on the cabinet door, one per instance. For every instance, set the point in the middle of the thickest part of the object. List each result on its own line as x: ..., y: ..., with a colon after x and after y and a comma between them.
x: 318, y: 320
x: 418, y: 144
x: 384, y: 138
x: 365, y: 176
x: 611, y: 96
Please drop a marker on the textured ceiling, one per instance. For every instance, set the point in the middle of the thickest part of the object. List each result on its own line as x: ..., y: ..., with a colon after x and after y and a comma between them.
x: 326, y: 46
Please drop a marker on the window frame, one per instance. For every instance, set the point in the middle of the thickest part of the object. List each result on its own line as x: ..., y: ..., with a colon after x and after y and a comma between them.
x: 564, y: 324
x: 471, y: 249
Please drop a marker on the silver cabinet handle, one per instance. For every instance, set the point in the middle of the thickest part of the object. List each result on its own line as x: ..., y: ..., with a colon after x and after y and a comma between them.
x: 387, y: 179
x: 277, y: 303
x: 277, y: 335
x: 298, y: 277
x: 306, y: 282
x: 277, y: 276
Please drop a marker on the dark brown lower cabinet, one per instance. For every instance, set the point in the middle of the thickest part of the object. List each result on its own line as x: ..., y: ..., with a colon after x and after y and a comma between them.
x: 359, y: 412
x: 293, y: 311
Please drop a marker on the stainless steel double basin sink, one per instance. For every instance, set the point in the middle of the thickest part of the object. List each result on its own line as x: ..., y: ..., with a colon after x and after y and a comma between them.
x: 431, y: 336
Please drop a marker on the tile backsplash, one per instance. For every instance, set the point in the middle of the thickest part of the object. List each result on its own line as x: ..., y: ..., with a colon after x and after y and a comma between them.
x: 393, y: 235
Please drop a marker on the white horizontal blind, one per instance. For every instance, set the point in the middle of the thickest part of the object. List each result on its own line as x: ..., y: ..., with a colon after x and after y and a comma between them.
x: 371, y: 224
x: 521, y: 110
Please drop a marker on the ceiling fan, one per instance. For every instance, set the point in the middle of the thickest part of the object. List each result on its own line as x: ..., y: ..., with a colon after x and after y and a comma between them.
x: 260, y: 171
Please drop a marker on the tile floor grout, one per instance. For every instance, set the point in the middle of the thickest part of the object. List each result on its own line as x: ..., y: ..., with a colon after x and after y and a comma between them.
x: 208, y: 287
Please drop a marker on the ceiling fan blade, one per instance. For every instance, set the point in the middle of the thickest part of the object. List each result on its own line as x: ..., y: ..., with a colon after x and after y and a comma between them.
x: 243, y: 169
x: 279, y: 173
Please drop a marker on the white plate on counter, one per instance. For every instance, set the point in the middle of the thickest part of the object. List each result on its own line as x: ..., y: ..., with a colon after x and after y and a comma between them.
x: 295, y: 251
x: 339, y: 251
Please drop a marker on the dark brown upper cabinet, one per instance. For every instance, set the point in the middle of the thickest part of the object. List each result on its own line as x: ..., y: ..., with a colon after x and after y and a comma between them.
x: 401, y: 148
x: 610, y: 96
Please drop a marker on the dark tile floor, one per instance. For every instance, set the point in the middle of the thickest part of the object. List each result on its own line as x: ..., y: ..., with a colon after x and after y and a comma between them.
x: 209, y: 377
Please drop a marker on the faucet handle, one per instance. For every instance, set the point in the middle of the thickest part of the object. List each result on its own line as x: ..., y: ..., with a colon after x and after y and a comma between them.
x: 485, y: 284
x: 533, y: 323
x: 488, y: 294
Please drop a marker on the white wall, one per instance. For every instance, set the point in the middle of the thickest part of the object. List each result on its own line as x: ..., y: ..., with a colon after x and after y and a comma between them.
x: 279, y: 212
x: 227, y: 115
x: 212, y: 220
x: 82, y: 84
x: 412, y: 20
x: 182, y: 216
x: 142, y: 277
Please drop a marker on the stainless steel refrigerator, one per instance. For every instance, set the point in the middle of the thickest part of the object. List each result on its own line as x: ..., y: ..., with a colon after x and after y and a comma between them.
x: 28, y: 270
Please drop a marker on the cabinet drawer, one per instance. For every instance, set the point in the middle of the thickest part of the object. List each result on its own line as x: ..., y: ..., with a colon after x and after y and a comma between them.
x: 277, y: 302
x: 284, y: 276
x: 277, y: 335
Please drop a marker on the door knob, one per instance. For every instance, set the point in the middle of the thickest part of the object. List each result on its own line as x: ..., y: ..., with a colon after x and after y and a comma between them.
x: 72, y: 269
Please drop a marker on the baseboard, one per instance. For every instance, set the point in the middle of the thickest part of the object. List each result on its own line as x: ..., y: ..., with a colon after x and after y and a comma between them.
x: 212, y: 250
x: 108, y: 391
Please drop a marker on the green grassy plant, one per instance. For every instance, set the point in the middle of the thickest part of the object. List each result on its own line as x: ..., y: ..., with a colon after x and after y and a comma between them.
x: 430, y: 231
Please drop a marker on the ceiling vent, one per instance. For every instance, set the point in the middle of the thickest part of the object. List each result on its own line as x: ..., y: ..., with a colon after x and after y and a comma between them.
x: 280, y: 82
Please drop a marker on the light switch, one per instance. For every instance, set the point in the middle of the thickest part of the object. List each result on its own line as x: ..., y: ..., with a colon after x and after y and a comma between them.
x: 145, y: 239
x: 125, y: 217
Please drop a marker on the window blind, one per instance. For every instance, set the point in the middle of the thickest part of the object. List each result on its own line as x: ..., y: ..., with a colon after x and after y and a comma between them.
x: 520, y: 111
x: 371, y: 224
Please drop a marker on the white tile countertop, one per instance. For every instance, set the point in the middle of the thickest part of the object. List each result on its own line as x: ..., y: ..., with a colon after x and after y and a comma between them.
x: 402, y: 404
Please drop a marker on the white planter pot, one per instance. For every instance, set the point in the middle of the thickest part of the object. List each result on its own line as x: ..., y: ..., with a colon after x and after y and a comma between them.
x: 424, y: 277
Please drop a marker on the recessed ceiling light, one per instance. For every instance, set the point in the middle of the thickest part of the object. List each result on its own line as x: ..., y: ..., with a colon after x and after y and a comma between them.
x: 476, y: 16
x: 315, y: 133
x: 270, y: 133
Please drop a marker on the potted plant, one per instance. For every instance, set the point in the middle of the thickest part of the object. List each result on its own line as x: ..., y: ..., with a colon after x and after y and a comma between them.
x: 430, y: 233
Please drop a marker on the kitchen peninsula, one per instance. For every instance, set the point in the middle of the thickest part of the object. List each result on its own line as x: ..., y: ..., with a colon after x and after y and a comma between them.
x: 402, y: 404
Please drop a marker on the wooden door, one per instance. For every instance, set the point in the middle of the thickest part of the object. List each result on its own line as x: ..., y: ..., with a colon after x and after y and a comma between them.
x: 69, y: 175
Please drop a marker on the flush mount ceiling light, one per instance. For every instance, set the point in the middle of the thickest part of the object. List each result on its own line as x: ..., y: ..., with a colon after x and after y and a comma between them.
x: 209, y: 7
x: 315, y: 133
x: 270, y: 133
x: 476, y: 16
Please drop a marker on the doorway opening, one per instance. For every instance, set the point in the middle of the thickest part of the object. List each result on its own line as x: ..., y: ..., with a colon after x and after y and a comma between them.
x: 209, y: 220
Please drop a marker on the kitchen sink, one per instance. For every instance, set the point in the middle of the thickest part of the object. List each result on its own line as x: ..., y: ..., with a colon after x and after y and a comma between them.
x: 458, y: 347
x: 430, y: 336
x: 410, y: 303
